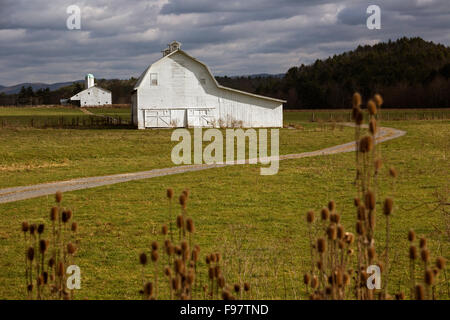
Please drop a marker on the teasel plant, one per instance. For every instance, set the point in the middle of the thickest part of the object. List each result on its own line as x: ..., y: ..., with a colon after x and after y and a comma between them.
x: 45, y: 259
x: 179, y: 271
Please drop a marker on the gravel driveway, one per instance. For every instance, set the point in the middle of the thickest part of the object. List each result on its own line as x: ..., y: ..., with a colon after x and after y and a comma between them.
x: 38, y: 190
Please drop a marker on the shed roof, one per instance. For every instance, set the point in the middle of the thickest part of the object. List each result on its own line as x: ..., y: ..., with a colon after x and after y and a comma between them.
x: 139, y: 82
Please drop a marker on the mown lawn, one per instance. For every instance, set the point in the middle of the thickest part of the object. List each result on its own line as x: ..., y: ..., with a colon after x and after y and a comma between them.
x: 257, y: 222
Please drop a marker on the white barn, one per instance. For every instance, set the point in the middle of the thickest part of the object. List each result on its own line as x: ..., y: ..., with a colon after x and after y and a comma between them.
x: 92, y: 95
x: 180, y: 91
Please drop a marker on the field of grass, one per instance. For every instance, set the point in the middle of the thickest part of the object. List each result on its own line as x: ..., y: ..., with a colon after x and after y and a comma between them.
x: 257, y: 222
x: 32, y: 156
x: 386, y: 114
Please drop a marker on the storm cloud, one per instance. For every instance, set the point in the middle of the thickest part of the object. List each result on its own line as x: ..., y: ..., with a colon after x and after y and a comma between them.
x: 119, y: 39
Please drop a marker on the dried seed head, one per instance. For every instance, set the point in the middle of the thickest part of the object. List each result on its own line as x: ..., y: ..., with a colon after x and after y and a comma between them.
x: 148, y: 289
x: 349, y: 238
x: 25, y: 226
x: 221, y: 281
x: 440, y: 263
x: 356, y: 202
x: 40, y: 228
x: 359, y: 117
x: 412, y: 253
x: 168, y: 271
x: 340, y: 231
x: 71, y: 248
x: 179, y: 266
x: 58, y: 197
x: 331, y: 232
x: 211, y: 273
x: 183, y: 200
x: 365, y: 144
x: 369, y: 200
x: 356, y: 100
x: 164, y: 230
x: 180, y: 221
x: 176, y: 283
x: 429, y: 277
x: 155, y: 256
x: 33, y: 228
x: 143, y: 259
x: 310, y: 216
x: 420, y: 292
x: 237, y: 288
x: 54, y: 214
x: 388, y: 204
x: 423, y: 242
x: 331, y: 205
x: 335, y: 217
x: 218, y: 257
x: 30, y: 253
x: 321, y: 245
x: 246, y: 286
x: 314, y: 282
x: 360, y: 228
x: 324, y: 213
x: 371, y: 107
x: 425, y: 255
x: 378, y: 100
x: 393, y: 172
x: 306, y: 278
x: 190, y: 225
x: 170, y: 193
x: 51, y: 262
x: 155, y: 245
x: 411, y: 235
x: 74, y: 227
x: 226, y: 295
x: 346, y: 279
x: 378, y: 164
x: 43, y: 245
x: 319, y: 265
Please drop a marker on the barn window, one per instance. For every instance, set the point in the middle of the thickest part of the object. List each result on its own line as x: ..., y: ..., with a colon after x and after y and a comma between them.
x: 153, y: 79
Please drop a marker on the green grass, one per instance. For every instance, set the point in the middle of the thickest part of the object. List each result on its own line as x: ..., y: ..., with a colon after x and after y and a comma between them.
x: 386, y: 114
x: 123, y: 113
x: 30, y: 156
x: 258, y: 222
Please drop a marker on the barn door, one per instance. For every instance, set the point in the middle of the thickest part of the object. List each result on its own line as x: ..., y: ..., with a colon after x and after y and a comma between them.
x: 157, y: 118
x: 200, y: 118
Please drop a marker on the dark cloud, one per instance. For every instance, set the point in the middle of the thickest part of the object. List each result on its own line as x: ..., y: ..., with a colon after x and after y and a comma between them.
x: 119, y: 39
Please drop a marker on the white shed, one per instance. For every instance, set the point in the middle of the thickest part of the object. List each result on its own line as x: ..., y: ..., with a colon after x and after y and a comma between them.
x: 92, y: 95
x: 180, y: 91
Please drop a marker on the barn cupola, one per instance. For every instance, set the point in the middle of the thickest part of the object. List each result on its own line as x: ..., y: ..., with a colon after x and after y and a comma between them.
x: 89, y: 80
x: 171, y: 47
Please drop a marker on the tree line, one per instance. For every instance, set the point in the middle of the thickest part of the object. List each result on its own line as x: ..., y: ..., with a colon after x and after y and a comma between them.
x: 408, y: 72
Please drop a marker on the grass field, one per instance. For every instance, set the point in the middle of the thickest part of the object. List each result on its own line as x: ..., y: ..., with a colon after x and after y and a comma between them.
x: 257, y: 222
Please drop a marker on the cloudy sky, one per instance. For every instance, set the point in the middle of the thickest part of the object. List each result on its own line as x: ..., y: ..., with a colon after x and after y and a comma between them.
x: 120, y: 38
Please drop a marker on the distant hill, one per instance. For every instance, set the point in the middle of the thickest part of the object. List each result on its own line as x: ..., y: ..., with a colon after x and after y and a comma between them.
x: 35, y: 86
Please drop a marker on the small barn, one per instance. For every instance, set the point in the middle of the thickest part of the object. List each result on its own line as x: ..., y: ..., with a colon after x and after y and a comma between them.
x: 93, y: 95
x: 180, y: 91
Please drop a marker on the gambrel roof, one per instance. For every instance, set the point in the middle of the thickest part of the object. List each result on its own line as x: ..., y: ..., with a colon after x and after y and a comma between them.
x: 143, y: 75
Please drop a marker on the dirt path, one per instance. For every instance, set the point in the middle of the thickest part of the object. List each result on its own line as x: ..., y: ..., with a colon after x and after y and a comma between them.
x: 38, y: 190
